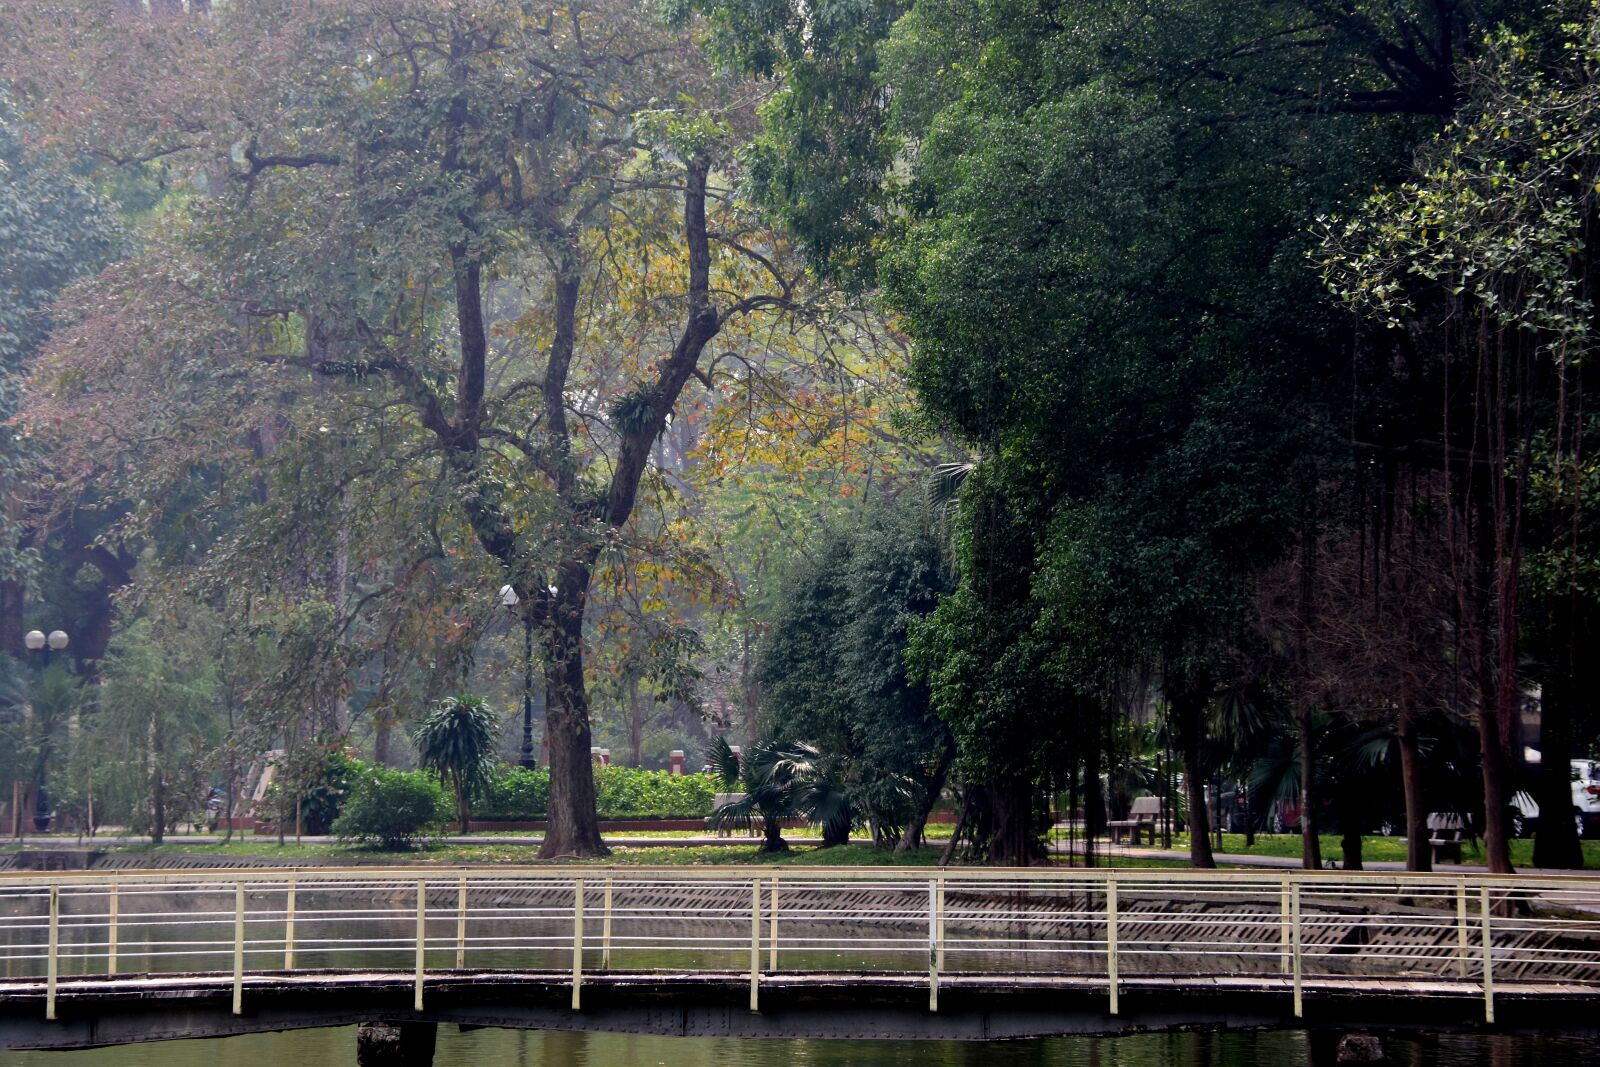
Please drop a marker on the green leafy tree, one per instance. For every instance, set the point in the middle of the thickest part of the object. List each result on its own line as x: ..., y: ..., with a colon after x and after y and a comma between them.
x: 1483, y: 262
x: 832, y: 666
x: 456, y: 740
x: 158, y: 703
x: 466, y: 221
x: 1092, y: 221
x: 53, y: 228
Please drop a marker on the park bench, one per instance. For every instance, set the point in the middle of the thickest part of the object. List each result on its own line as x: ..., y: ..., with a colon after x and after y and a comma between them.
x: 1445, y: 831
x: 756, y: 821
x: 1142, y: 815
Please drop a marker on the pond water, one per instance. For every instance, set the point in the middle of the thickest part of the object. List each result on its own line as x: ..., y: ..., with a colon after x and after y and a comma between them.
x: 519, y: 1048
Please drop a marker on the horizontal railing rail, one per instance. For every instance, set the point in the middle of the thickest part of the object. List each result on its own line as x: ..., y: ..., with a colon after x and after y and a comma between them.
x: 1471, y: 932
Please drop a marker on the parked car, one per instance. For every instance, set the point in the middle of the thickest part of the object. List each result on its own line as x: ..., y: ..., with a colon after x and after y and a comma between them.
x: 1585, y: 802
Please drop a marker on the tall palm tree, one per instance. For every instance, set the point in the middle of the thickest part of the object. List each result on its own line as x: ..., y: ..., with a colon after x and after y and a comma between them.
x: 777, y: 780
x: 456, y: 741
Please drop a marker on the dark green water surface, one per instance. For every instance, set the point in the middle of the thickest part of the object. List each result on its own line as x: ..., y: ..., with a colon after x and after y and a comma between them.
x: 514, y: 1048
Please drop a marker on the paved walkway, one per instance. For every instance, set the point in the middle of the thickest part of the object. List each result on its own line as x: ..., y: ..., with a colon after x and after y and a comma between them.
x: 1110, y: 853
x: 1105, y: 851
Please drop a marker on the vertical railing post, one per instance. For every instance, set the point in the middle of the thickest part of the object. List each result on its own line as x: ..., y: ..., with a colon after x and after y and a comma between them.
x: 54, y: 959
x: 288, y: 924
x: 1284, y: 963
x: 605, y: 929
x: 461, y: 924
x: 940, y: 960
x: 933, y: 944
x: 1296, y: 941
x: 755, y: 944
x: 577, y: 942
x: 1488, y: 957
x: 238, y: 947
x: 113, y: 921
x: 1111, y: 939
x: 422, y: 944
x: 772, y: 956
x: 1461, y: 927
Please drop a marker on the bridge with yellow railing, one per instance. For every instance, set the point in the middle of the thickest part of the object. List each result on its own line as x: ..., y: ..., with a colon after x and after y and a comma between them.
x: 97, y: 959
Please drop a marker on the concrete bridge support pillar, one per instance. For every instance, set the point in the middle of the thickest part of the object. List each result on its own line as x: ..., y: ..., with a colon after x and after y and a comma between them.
x: 396, y: 1044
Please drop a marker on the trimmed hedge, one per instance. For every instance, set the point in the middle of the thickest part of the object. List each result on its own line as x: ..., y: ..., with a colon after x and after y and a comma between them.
x: 517, y: 794
x: 626, y: 793
x: 514, y: 793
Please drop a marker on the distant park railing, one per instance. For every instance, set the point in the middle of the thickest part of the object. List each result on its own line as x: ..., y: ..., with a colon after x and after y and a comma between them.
x: 1477, y: 932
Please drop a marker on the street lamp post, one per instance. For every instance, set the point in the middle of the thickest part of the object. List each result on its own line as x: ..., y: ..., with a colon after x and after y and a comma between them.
x: 37, y: 641
x: 509, y: 599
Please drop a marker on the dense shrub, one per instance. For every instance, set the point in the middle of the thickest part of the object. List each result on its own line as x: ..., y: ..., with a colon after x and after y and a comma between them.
x: 393, y: 809
x: 620, y: 793
x: 329, y: 778
x: 626, y: 793
x: 515, y: 793
x: 333, y: 777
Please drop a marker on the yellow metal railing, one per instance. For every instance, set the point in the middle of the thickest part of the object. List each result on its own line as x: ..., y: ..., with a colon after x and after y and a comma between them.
x: 1293, y: 928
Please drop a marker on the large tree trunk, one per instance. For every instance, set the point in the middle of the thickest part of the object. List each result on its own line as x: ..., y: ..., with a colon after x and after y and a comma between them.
x: 1188, y: 710
x: 635, y: 724
x: 158, y: 787
x: 917, y: 828
x: 1094, y: 799
x: 11, y: 593
x: 574, y: 828
x: 1350, y: 820
x: 382, y: 732
x: 1556, y: 843
x: 1012, y: 840
x: 1310, y: 842
x: 772, y: 835
x: 1496, y: 845
x: 1419, y: 854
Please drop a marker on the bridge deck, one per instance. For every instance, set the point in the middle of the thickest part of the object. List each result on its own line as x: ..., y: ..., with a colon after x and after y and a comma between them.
x: 836, y: 952
x: 104, y: 1011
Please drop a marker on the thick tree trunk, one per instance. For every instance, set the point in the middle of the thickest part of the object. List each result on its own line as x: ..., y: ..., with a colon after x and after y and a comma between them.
x: 1491, y: 756
x: 1200, y: 854
x: 1350, y: 820
x: 11, y: 594
x: 918, y: 826
x: 772, y: 835
x: 382, y: 732
x: 965, y: 817
x: 1310, y: 842
x: 1188, y: 709
x: 1012, y: 840
x: 635, y: 724
x: 1419, y: 854
x: 1556, y: 843
x: 158, y: 788
x: 574, y: 824
x: 1496, y: 844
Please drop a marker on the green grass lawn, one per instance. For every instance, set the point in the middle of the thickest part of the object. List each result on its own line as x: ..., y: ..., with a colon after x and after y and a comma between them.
x: 737, y: 851
x: 1374, y: 848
